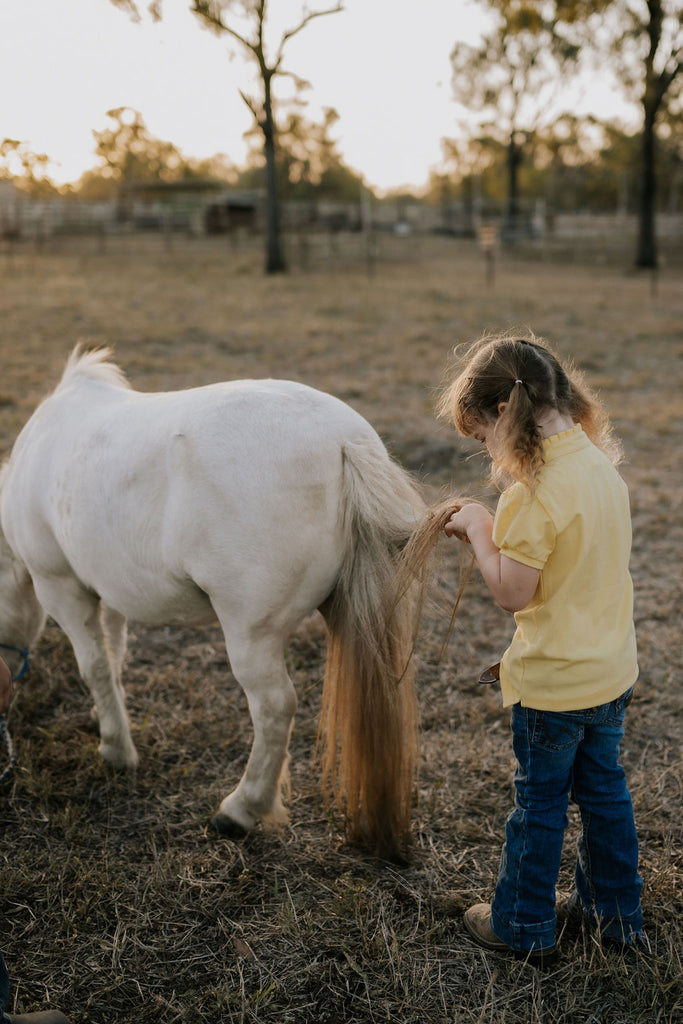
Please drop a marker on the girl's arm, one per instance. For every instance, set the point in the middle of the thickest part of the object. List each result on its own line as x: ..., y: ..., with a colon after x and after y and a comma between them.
x: 511, y: 583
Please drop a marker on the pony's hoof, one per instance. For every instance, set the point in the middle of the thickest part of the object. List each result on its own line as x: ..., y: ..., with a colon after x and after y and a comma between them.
x: 228, y: 827
x: 123, y: 758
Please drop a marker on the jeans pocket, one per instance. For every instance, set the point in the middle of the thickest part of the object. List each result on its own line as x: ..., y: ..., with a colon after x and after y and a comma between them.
x: 617, y: 708
x: 556, y: 730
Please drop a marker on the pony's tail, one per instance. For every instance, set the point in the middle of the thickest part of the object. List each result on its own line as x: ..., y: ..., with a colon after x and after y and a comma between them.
x: 368, y: 727
x: 417, y: 557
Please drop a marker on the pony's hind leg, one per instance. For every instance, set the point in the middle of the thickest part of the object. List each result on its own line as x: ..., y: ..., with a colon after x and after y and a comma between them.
x: 78, y: 611
x: 115, y: 629
x: 259, y: 667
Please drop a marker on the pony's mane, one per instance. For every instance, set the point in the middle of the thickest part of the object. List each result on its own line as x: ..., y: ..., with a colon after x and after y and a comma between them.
x: 95, y: 364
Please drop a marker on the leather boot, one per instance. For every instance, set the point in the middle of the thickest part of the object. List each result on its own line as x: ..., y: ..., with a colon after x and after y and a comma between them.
x: 477, y: 921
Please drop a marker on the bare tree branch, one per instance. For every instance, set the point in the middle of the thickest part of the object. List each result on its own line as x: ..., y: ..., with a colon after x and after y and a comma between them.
x: 205, y: 10
x: 305, y: 21
x: 129, y: 6
x: 252, y: 106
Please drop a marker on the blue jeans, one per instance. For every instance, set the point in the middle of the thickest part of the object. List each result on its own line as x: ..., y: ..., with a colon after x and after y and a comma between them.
x: 561, y: 754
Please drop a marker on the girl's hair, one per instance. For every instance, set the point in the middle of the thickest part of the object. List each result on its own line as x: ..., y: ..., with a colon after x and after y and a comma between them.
x: 529, y: 377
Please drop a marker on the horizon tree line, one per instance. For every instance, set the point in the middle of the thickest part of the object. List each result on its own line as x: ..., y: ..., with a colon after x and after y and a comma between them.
x: 508, y: 84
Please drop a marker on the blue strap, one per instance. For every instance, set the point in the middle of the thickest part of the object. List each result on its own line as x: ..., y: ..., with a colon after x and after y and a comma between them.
x: 23, y: 651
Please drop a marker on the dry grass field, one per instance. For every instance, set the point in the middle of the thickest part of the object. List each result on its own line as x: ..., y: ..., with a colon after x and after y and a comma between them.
x: 117, y: 902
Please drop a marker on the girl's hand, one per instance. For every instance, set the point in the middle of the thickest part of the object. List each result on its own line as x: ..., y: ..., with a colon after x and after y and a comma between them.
x: 469, y: 516
x: 511, y: 583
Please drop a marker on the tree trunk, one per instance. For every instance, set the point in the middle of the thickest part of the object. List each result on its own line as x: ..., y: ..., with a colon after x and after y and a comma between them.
x: 511, y: 223
x: 275, y: 263
x: 646, y: 252
x: 655, y: 86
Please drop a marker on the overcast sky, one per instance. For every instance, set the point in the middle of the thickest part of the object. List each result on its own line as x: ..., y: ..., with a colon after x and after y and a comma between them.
x: 382, y: 64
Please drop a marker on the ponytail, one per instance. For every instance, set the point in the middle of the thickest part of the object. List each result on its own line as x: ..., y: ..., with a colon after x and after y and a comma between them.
x: 520, y: 442
x: 527, y: 378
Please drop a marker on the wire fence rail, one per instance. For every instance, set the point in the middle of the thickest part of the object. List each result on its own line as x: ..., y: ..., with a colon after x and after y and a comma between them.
x: 581, y: 238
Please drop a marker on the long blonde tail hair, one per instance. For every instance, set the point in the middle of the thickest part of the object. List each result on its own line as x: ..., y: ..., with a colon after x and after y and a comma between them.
x: 417, y: 558
x: 367, y: 740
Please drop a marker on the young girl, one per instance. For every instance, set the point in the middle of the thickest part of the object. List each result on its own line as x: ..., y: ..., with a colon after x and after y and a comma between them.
x: 556, y: 555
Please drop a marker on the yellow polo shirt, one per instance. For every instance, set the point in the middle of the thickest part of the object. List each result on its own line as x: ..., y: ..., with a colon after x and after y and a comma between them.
x: 574, y: 646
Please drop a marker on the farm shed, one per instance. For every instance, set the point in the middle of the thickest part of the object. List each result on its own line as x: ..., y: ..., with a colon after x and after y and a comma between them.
x: 232, y: 212
x: 166, y: 205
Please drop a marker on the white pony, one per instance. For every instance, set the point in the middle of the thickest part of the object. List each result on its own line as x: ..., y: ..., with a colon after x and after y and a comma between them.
x: 255, y: 502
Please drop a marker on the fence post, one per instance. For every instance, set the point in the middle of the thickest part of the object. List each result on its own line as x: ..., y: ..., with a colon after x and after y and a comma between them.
x: 488, y: 238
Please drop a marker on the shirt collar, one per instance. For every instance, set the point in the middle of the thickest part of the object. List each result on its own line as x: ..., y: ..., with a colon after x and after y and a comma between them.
x: 566, y: 441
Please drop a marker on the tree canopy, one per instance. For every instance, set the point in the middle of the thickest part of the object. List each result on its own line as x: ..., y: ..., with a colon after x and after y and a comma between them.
x: 28, y: 168
x: 308, y: 159
x: 512, y: 79
x: 127, y: 152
